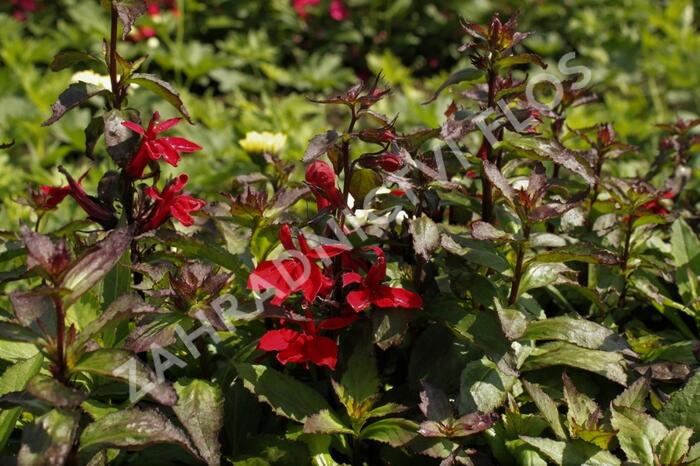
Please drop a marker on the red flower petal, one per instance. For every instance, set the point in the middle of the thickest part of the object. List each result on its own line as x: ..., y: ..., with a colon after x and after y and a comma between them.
x: 181, y: 144
x: 351, y: 277
x: 336, y: 323
x: 322, y: 351
x: 166, y: 125
x: 277, y: 340
x: 359, y: 300
x: 134, y: 127
x: 386, y: 296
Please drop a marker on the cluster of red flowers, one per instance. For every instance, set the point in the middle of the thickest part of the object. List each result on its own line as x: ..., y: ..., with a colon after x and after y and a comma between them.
x: 170, y: 202
x: 360, y: 280
x: 337, y: 9
x: 22, y: 8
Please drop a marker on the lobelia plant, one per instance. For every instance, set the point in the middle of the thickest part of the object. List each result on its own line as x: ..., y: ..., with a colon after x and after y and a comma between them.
x: 75, y: 417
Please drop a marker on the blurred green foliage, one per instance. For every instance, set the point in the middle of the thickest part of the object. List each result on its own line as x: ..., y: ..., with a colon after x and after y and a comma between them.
x: 248, y: 65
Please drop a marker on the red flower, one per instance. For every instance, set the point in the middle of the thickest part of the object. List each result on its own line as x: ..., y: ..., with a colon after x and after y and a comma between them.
x: 306, y: 346
x: 51, y: 196
x: 301, y: 5
x: 153, y: 148
x: 655, y: 205
x: 372, y: 292
x: 22, y: 8
x: 54, y: 195
x: 321, y: 180
x: 389, y: 162
x: 338, y: 11
x: 298, y: 273
x: 169, y: 203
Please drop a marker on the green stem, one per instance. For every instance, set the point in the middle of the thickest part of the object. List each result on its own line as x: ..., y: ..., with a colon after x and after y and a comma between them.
x: 518, y: 273
x: 60, y: 338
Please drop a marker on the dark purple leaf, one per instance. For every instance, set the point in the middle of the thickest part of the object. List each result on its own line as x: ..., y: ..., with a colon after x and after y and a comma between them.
x: 55, y: 393
x: 75, y: 95
x: 129, y: 11
x: 434, y: 404
x: 92, y: 266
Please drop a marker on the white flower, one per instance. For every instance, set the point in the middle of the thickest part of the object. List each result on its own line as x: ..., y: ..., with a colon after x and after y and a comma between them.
x: 90, y: 77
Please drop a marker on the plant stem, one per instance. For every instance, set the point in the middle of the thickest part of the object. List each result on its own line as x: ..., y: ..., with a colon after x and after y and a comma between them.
x: 113, y: 59
x: 625, y: 259
x: 60, y: 337
x: 517, y: 275
x: 487, y: 190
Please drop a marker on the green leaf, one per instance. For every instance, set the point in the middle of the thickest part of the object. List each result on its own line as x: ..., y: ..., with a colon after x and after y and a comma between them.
x: 362, y: 182
x: 135, y: 429
x: 48, y: 441
x: 14, y: 379
x: 287, y: 397
x: 393, y: 431
x: 674, y: 447
x: 580, y: 252
x: 200, y: 409
x: 542, y: 275
x: 426, y: 236
x: 54, y: 392
x: 485, y: 231
x: 319, y: 145
x: 576, y: 453
x: 683, y: 409
x: 129, y: 11
x: 94, y: 264
x: 467, y: 74
x: 389, y: 326
x: 638, y: 434
x: 500, y: 182
x: 578, y: 331
x: 635, y: 395
x: 76, y: 94
x: 122, y: 365
x: 122, y: 308
x: 483, y: 387
x: 15, y: 332
x: 685, y: 248
x: 547, y: 407
x: 537, y: 148
x: 580, y: 406
x: 195, y: 248
x: 519, y: 59
x: 325, y: 422
x: 162, y: 88
x: 68, y: 58
x: 361, y: 380
x: 608, y: 364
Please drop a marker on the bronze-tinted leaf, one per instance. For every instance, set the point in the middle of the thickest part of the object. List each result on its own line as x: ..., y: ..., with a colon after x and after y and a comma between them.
x: 93, y: 265
x: 75, y: 95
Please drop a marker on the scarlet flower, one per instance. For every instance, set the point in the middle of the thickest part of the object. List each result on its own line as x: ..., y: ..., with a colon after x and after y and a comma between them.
x: 50, y: 196
x: 306, y: 346
x: 300, y: 6
x: 169, y: 203
x: 372, y: 292
x: 389, y: 162
x: 54, y: 195
x: 153, y: 148
x: 298, y: 273
x: 321, y: 180
x: 655, y: 205
x: 338, y: 11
